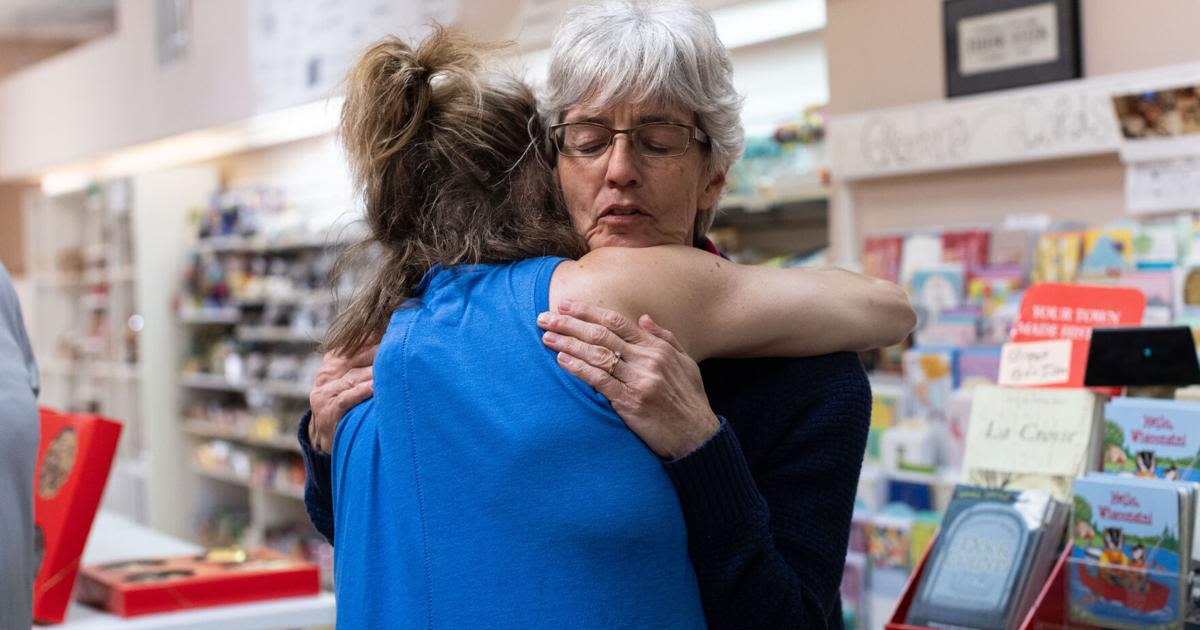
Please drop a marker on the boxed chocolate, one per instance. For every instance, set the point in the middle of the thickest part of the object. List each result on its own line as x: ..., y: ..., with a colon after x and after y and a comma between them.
x: 223, y: 576
x: 74, y: 457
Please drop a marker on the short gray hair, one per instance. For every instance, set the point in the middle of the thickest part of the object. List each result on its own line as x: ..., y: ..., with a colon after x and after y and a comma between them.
x: 663, y: 51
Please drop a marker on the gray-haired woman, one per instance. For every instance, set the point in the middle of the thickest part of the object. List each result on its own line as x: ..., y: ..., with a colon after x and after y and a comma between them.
x: 767, y: 515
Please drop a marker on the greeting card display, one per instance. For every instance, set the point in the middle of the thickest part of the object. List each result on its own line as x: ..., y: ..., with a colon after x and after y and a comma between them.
x: 74, y: 458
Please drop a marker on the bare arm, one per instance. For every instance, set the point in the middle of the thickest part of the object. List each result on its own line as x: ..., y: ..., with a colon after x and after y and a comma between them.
x: 719, y: 308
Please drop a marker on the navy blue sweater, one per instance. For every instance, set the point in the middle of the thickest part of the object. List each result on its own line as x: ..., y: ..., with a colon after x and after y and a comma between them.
x: 767, y: 501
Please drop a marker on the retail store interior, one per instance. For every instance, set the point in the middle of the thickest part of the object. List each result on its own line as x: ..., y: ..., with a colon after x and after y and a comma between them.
x: 174, y: 196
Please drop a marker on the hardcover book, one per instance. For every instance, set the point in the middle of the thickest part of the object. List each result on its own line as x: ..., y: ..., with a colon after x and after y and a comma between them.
x: 1025, y: 439
x: 995, y: 548
x: 1153, y: 438
x: 1130, y: 535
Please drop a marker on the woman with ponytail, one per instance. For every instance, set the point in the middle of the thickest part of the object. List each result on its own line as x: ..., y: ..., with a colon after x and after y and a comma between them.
x: 482, y: 485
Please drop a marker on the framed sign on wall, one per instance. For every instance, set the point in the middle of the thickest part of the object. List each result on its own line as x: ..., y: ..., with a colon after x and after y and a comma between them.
x: 1000, y: 44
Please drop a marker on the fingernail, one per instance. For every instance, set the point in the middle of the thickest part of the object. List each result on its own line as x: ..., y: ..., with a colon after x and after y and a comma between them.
x: 550, y: 337
x: 564, y: 358
x: 566, y: 305
x: 543, y: 317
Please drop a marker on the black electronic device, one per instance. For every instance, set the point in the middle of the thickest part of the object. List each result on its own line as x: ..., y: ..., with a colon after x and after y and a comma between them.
x: 1121, y: 357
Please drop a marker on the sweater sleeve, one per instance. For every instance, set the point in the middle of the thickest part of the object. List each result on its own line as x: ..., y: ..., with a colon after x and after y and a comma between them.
x: 769, y: 545
x: 318, y: 481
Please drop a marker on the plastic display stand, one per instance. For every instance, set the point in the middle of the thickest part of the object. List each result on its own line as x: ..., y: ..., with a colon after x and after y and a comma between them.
x: 1049, y: 610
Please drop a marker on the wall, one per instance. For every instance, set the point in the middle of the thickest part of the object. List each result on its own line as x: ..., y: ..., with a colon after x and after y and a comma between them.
x: 110, y: 93
x: 884, y: 53
x: 12, y: 227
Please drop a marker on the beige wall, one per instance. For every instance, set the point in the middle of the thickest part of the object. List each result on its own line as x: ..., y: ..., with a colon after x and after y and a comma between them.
x: 12, y: 227
x: 885, y: 53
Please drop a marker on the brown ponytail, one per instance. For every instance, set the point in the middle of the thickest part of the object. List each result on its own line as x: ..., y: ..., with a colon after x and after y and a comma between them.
x: 449, y: 161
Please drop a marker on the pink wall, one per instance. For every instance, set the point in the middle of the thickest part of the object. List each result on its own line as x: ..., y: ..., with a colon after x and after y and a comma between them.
x: 885, y: 53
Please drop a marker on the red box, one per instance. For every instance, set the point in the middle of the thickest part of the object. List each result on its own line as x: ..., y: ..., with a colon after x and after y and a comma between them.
x: 1049, y: 608
x: 154, y: 585
x: 75, y: 454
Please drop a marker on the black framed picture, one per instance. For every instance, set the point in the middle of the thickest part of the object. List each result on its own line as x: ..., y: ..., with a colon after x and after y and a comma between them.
x: 1001, y: 44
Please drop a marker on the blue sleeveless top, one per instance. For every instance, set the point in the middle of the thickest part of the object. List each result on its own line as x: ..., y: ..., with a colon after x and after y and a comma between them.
x: 484, y: 486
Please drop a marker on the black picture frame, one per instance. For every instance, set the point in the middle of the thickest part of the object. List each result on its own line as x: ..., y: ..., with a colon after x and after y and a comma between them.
x: 1067, y: 65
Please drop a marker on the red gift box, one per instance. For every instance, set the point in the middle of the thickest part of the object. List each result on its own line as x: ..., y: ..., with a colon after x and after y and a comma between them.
x: 140, y: 587
x: 74, y: 457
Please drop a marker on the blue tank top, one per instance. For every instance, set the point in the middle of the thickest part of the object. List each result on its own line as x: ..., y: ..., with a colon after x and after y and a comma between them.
x: 483, y: 486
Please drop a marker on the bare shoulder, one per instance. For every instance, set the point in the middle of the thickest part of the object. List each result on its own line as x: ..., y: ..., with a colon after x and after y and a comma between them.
x: 640, y: 280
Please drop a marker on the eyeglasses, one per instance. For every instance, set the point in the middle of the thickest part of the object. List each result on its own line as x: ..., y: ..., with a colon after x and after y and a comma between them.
x: 656, y: 139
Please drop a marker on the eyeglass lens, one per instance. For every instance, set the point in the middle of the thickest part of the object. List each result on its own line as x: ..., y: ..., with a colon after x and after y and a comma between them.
x: 652, y: 140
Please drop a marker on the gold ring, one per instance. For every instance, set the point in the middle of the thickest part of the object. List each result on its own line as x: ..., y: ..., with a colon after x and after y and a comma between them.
x: 616, y: 359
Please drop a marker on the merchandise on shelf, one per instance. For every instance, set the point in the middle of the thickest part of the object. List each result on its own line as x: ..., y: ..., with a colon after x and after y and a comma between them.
x: 1133, y: 540
x: 994, y: 552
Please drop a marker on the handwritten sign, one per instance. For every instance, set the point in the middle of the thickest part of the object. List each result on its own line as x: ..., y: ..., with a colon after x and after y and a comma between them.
x: 1069, y: 311
x: 1035, y: 363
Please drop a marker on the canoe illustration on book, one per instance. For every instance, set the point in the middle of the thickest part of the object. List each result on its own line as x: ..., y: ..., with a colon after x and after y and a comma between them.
x: 1149, y: 600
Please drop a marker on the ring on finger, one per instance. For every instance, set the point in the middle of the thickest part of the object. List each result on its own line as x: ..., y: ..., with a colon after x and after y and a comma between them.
x: 612, y: 368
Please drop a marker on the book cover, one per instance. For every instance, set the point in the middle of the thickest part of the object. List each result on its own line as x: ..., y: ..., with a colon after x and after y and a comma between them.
x: 968, y: 248
x: 1125, y: 563
x: 989, y: 288
x: 1057, y: 257
x: 937, y: 288
x: 1158, y: 285
x: 978, y: 365
x: 881, y: 257
x: 1025, y: 439
x: 952, y: 327
x: 921, y: 251
x: 989, y: 542
x: 929, y: 379
x: 1152, y: 438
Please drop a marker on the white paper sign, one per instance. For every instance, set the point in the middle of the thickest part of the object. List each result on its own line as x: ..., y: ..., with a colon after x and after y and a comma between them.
x: 1031, y: 363
x: 1163, y: 185
x: 1008, y: 39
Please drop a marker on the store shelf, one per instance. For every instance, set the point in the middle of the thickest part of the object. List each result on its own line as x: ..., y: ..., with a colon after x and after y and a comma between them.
x: 279, y: 334
x: 217, y: 382
x: 206, y: 429
x: 231, y: 478
x: 224, y: 315
x: 94, y: 370
x: 238, y: 244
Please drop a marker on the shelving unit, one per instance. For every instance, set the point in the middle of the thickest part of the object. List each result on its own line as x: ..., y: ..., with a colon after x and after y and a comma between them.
x: 252, y: 306
x: 87, y: 319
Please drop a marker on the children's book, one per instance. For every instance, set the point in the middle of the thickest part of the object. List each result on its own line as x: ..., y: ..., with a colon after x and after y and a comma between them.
x: 991, y: 557
x: 1025, y: 439
x: 1130, y: 536
x: 1153, y: 438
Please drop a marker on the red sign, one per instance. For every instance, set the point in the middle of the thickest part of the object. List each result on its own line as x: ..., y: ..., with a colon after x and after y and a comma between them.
x: 1071, y: 311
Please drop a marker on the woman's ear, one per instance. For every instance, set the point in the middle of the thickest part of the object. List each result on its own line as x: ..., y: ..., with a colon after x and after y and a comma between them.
x: 712, y: 191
